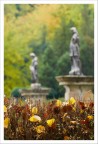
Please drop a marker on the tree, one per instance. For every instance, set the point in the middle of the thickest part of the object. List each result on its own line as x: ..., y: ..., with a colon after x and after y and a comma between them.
x: 45, y: 30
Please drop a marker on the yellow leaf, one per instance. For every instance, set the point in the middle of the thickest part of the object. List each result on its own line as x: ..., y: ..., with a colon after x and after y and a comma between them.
x: 6, y: 122
x: 5, y: 108
x: 34, y: 110
x: 40, y: 129
x: 35, y: 118
x: 50, y: 122
x: 72, y: 100
x: 58, y: 103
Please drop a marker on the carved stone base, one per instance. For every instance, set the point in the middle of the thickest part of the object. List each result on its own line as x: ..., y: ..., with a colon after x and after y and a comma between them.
x: 79, y: 87
x: 35, y: 95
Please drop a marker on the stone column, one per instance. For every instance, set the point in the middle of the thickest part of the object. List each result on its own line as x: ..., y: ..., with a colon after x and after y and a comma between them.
x: 78, y: 87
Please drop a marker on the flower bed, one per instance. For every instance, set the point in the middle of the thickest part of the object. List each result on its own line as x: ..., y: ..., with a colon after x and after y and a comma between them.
x: 73, y: 120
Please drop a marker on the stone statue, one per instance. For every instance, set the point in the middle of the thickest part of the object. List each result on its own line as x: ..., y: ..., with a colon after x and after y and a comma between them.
x: 75, y: 53
x: 33, y: 67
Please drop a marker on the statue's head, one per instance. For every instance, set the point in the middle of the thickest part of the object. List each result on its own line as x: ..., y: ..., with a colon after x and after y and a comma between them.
x: 32, y: 55
x: 73, y: 29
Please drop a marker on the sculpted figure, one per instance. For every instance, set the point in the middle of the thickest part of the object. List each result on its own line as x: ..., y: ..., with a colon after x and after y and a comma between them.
x: 33, y: 67
x: 75, y: 53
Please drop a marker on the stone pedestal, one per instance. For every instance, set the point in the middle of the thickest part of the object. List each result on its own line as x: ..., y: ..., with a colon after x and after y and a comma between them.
x: 79, y: 87
x: 35, y: 95
x: 35, y: 86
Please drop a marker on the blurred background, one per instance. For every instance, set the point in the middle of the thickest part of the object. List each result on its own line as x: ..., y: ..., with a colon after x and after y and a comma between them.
x: 45, y: 30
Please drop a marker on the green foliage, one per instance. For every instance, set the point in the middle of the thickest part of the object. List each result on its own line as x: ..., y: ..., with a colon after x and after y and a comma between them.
x: 16, y: 93
x: 45, y: 30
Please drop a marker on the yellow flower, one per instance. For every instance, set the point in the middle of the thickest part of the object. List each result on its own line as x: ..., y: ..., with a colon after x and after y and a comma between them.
x: 50, y: 122
x: 5, y: 108
x: 58, y: 103
x: 72, y: 100
x: 90, y: 117
x: 35, y: 118
x: 40, y: 129
x: 34, y: 110
x: 6, y: 122
x: 81, y: 111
